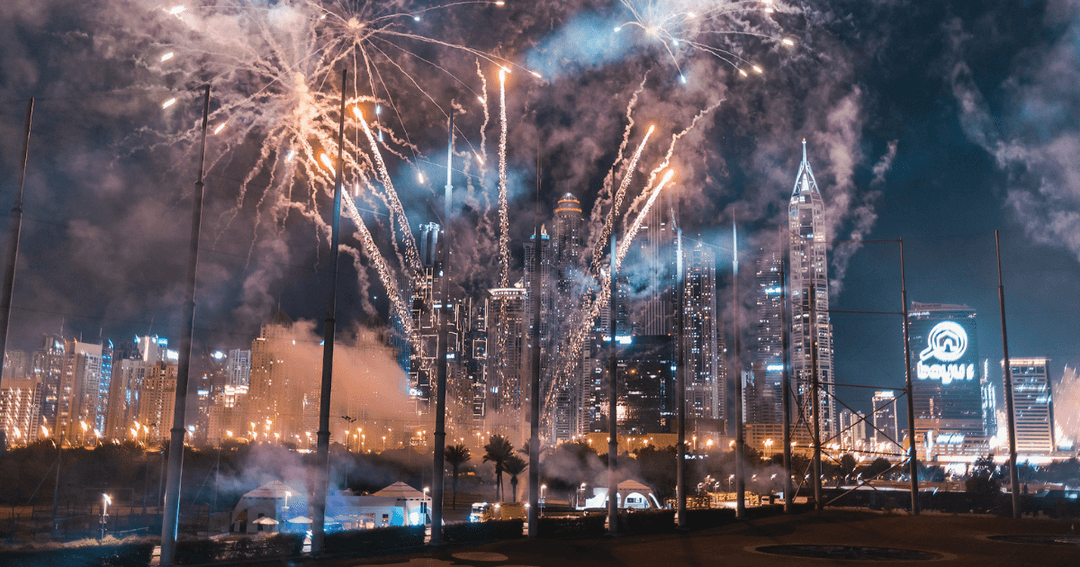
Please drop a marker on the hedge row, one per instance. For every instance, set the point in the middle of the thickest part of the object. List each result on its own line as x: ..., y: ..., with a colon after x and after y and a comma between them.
x: 651, y: 522
x: 375, y: 540
x: 130, y: 555
x: 591, y: 525
x: 483, y: 531
x: 193, y: 552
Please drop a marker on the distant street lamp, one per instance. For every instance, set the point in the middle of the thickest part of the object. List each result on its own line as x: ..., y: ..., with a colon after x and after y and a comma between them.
x: 105, y: 501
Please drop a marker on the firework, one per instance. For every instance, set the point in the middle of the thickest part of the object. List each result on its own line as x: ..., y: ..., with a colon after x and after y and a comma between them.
x: 504, y: 213
x: 685, y: 26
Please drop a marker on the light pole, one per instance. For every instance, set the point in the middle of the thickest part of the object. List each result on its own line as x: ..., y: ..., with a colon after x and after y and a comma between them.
x: 321, y: 478
x: 105, y: 501
x: 171, y: 516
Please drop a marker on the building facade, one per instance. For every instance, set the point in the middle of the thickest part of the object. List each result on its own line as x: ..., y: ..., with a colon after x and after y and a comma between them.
x: 809, y: 295
x: 1033, y: 405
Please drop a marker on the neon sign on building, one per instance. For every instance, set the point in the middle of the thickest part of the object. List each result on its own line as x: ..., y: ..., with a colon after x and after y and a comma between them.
x: 946, y: 344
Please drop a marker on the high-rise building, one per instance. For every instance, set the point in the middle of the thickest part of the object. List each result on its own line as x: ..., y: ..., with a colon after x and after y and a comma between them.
x: 47, y: 367
x: 886, y: 435
x: 157, y: 400
x: 852, y: 430
x: 657, y: 315
x: 809, y: 293
x: 646, y: 395
x: 16, y: 365
x: 20, y: 407
x: 141, y: 369
x: 506, y: 385
x: 238, y: 368
x: 1033, y: 405
x: 283, y: 397
x: 80, y: 401
x: 568, y: 419
x: 989, y: 403
x: 702, y: 337
x: 766, y: 396
x: 946, y: 391
x: 546, y: 332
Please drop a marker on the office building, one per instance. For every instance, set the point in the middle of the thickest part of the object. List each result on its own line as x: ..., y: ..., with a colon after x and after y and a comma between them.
x: 1033, y: 405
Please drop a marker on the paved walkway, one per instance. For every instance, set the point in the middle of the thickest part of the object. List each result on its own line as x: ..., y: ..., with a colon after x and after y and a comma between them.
x: 953, y: 540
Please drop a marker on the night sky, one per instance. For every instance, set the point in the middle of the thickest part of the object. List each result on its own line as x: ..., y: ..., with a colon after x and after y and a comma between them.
x: 934, y: 122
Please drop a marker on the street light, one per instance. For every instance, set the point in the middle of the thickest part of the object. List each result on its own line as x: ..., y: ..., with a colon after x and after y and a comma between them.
x: 543, y: 491
x: 105, y: 501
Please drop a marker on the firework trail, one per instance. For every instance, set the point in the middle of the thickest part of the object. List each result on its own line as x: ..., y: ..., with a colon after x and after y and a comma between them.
x: 386, y: 273
x: 609, y: 180
x: 504, y: 213
x: 412, y: 256
x: 577, y: 337
x: 619, y: 195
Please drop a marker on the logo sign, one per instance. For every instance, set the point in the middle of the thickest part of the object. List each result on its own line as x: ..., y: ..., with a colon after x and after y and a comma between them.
x: 946, y: 343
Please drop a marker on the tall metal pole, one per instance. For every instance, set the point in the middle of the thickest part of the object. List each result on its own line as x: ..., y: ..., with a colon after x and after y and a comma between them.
x: 740, y: 442
x: 534, y: 400
x: 1014, y: 474
x: 815, y: 394
x: 913, y: 456
x: 785, y: 384
x: 322, y: 448
x: 613, y: 390
x: 442, y: 349
x: 56, y: 485
x: 13, y: 242
x: 680, y: 382
x: 171, y: 516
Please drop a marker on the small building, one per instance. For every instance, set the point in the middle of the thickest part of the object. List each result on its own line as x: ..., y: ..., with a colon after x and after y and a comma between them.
x: 269, y: 509
x: 276, y: 507
x: 631, y: 495
x: 396, y: 505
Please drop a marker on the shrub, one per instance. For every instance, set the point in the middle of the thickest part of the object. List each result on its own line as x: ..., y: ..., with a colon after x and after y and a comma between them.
x: 190, y: 552
x: 483, y: 531
x: 709, y: 518
x: 651, y: 522
x: 591, y: 525
x: 125, y: 555
x: 375, y: 540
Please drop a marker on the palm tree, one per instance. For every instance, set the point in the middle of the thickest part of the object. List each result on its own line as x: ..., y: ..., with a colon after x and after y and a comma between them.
x: 497, y: 451
x: 514, y: 466
x: 456, y: 455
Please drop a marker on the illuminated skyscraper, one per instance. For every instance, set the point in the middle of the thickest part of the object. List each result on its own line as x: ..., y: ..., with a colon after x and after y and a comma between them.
x: 809, y: 286
x: 765, y: 397
x: 702, y: 337
x: 569, y: 412
x: 506, y: 371
x: 946, y: 389
x: 886, y: 434
x: 1033, y: 405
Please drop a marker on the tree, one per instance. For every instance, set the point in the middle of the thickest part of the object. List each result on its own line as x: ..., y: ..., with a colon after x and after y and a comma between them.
x: 497, y: 451
x: 514, y: 466
x: 456, y: 455
x: 847, y: 465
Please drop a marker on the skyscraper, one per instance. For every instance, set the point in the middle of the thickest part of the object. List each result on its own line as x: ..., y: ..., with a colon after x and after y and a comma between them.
x: 547, y: 324
x: 809, y: 285
x: 946, y: 390
x: 766, y: 358
x: 506, y: 382
x: 886, y: 435
x: 569, y: 411
x: 1033, y: 405
x: 702, y: 337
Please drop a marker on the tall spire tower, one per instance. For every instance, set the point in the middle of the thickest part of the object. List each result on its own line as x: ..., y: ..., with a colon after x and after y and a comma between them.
x: 810, y: 315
